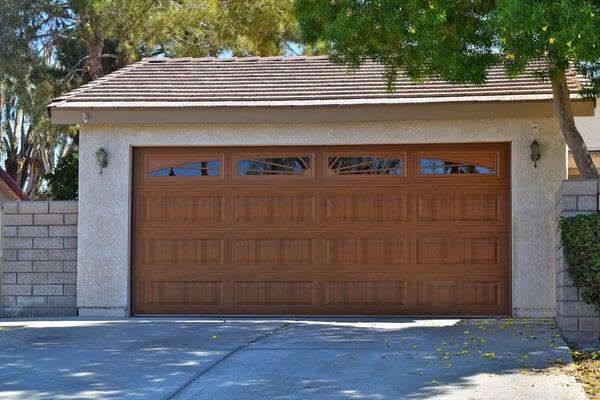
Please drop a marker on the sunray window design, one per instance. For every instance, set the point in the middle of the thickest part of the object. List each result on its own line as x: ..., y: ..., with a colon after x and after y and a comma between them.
x: 366, y: 165
x: 437, y: 166
x: 197, y: 168
x: 274, y: 166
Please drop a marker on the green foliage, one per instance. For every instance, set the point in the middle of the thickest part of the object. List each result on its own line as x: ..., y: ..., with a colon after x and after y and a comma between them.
x: 48, y: 47
x: 62, y: 183
x: 458, y: 40
x: 211, y: 27
x: 580, y: 237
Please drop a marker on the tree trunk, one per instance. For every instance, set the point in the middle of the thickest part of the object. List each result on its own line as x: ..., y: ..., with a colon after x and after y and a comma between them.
x: 122, y: 59
x: 562, y: 105
x: 95, y: 44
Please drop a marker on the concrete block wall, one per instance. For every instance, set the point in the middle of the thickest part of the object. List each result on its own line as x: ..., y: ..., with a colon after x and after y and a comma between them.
x: 39, y: 259
x: 578, y: 322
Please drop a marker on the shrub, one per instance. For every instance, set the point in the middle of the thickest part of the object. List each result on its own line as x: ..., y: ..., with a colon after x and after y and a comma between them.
x: 580, y: 237
x: 63, y: 182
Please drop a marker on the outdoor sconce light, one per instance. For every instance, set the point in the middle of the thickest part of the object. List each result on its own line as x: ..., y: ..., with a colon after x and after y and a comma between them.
x: 85, y: 118
x: 102, y: 158
x: 535, y: 152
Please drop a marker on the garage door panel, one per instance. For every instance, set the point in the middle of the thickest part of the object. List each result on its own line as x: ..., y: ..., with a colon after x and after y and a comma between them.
x: 365, y: 293
x: 158, y: 208
x: 179, y: 248
x: 274, y: 293
x: 290, y: 231
x: 286, y: 208
x: 353, y: 208
x: 367, y: 251
x: 452, y: 293
x: 273, y: 250
x: 180, y: 251
x: 271, y: 295
x: 183, y: 293
x: 458, y: 250
x: 461, y: 206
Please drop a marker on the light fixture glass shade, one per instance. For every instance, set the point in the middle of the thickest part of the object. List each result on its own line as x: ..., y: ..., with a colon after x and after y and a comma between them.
x: 535, y: 152
x: 102, y: 158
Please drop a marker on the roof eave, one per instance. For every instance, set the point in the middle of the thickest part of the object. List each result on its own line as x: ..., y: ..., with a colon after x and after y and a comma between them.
x: 290, y: 113
x: 12, y: 187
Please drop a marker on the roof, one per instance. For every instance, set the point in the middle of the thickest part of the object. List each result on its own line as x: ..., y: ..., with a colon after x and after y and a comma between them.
x: 11, y: 187
x: 297, y: 90
x: 284, y: 81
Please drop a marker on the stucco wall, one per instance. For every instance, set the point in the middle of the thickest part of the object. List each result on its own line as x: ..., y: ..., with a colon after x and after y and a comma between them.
x: 104, y: 212
x: 590, y: 129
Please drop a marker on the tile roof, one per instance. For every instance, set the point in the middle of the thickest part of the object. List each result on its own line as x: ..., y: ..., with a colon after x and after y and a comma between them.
x: 11, y: 187
x: 284, y: 81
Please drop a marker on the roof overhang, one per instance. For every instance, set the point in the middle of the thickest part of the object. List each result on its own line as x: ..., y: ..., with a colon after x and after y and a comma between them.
x: 10, y: 188
x: 173, y: 114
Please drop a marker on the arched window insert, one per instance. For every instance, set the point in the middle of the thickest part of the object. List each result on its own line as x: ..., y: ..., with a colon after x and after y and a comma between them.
x: 366, y: 165
x: 438, y: 166
x: 274, y: 166
x: 197, y: 168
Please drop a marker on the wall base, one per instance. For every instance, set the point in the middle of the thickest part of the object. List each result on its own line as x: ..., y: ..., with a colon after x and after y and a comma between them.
x: 584, y: 340
x: 103, y: 312
x: 520, y: 312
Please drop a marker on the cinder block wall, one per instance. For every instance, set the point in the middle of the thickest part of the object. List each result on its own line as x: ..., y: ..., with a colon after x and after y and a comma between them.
x: 578, y: 322
x: 39, y: 260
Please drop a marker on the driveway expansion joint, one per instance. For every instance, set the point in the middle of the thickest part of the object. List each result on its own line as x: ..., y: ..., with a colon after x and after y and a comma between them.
x: 224, y: 358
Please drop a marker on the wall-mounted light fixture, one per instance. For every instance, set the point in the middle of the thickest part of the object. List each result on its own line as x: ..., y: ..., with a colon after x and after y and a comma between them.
x: 85, y: 118
x: 102, y: 158
x: 535, y: 152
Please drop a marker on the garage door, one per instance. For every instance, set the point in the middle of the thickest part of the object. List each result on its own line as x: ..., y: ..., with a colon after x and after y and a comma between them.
x: 419, y: 229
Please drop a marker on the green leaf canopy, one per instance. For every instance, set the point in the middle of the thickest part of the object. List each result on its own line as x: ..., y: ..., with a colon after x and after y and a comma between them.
x: 457, y: 40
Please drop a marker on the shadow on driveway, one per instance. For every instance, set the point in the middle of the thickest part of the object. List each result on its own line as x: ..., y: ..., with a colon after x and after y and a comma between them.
x: 182, y: 358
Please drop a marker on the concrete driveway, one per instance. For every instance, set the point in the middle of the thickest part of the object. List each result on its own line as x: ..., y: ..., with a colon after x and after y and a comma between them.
x: 184, y: 358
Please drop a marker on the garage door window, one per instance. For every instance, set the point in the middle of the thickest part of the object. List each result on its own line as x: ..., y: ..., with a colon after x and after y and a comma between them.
x: 288, y: 166
x: 438, y: 166
x: 366, y: 165
x: 198, y: 168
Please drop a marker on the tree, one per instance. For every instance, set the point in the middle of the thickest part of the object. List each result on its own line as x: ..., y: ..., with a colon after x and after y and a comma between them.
x: 214, y: 27
x: 458, y: 40
x: 62, y: 183
x: 30, y: 144
x: 127, y: 23
x: 48, y: 47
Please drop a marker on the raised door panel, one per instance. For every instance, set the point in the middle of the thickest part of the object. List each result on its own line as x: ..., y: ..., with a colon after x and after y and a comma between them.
x: 182, y: 251
x: 450, y: 294
x: 365, y: 208
x: 164, y: 293
x: 365, y: 294
x: 366, y: 251
x: 165, y: 209
x: 275, y: 209
x: 273, y: 251
x: 460, y: 206
x: 273, y: 293
x: 458, y: 250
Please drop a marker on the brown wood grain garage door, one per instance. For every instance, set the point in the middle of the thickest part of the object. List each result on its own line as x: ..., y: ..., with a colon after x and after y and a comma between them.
x: 419, y: 229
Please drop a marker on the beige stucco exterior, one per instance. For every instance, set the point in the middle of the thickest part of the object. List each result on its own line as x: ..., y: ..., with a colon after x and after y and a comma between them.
x: 104, y: 212
x: 589, y: 127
